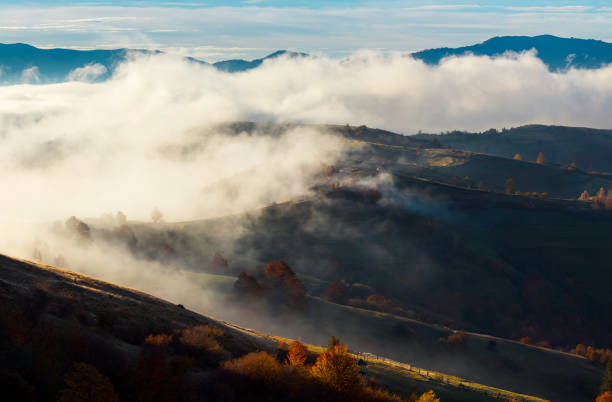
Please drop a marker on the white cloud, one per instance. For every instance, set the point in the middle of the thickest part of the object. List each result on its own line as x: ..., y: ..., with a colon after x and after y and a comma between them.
x: 447, y: 7
x: 551, y: 9
x: 336, y: 31
x: 87, y: 73
x: 141, y: 139
x: 30, y: 75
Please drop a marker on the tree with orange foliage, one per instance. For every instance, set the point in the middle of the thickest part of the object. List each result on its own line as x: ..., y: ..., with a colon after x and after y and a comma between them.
x: 608, y: 202
x: 338, y: 370
x: 541, y: 159
x: 605, y: 397
x: 86, y: 383
x: 606, y: 384
x: 282, y: 277
x: 601, y: 195
x: 518, y: 157
x: 297, y: 354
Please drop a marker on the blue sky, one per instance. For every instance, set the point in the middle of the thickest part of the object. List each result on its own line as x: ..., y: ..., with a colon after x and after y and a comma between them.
x: 217, y: 29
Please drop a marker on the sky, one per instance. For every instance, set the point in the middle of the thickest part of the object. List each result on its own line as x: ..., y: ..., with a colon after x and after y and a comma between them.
x: 221, y: 29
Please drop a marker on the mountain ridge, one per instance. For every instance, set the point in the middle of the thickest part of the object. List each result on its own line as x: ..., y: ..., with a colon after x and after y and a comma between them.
x: 55, y: 65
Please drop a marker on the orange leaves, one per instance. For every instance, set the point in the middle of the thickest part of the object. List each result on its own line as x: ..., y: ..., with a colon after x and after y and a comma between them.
x: 338, y: 370
x: 258, y: 366
x: 85, y: 383
x: 161, y: 340
x: 605, y: 397
x: 297, y: 354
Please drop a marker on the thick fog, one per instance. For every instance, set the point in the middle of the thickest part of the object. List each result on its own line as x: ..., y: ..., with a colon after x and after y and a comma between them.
x: 148, y: 137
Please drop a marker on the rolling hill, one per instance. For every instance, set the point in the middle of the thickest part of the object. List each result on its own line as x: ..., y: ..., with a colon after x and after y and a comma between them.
x: 587, y: 148
x: 422, y: 260
x: 134, y: 346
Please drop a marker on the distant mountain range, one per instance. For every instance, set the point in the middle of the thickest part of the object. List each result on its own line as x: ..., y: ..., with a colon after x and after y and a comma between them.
x: 20, y: 62
x: 24, y: 63
x: 557, y: 53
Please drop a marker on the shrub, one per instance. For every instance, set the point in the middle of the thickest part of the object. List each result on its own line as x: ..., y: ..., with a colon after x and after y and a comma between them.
x: 428, y: 396
x: 454, y: 342
x: 161, y: 340
x: 85, y: 384
x: 258, y: 366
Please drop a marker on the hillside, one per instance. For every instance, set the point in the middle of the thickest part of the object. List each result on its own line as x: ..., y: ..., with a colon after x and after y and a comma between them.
x: 524, y: 271
x: 397, y: 251
x: 587, y: 148
x: 557, y: 53
x: 53, y: 318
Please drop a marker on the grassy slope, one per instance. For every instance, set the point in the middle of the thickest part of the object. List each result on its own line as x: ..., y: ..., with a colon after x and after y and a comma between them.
x: 588, y: 148
x: 143, y: 314
x: 512, y: 365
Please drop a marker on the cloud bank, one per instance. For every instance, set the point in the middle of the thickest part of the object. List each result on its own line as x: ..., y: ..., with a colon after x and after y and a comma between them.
x: 149, y: 137
x: 145, y: 138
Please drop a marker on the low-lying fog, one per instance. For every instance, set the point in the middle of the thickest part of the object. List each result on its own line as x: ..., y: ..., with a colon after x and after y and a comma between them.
x: 146, y: 139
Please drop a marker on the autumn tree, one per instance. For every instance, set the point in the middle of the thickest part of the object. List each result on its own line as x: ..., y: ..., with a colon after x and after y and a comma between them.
x: 541, y: 159
x: 332, y: 342
x: 218, y: 263
x: 86, y: 384
x: 606, y: 385
x: 601, y: 195
x: 246, y: 286
x: 297, y: 354
x: 518, y: 157
x: 338, y: 370
x: 510, y: 186
x: 584, y: 196
x: 608, y: 202
x: 337, y: 292
x: 605, y: 397
x: 281, y: 277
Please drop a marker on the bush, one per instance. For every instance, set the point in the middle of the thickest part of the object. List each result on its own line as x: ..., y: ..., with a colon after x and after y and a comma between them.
x: 85, y: 384
x: 258, y: 366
